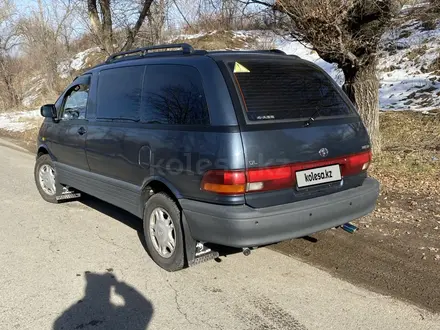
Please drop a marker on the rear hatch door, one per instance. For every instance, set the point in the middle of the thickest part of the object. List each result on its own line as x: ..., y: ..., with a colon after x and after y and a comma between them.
x: 294, y: 117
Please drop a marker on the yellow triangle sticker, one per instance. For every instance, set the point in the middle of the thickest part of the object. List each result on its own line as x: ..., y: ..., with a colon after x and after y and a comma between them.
x: 240, y: 68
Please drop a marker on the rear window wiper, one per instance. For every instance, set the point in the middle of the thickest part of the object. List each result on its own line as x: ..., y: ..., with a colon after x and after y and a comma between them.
x: 309, y: 121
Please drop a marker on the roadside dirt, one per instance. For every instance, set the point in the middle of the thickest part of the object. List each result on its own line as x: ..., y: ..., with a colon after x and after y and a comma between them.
x: 26, y: 139
x: 397, y: 248
x: 399, y: 258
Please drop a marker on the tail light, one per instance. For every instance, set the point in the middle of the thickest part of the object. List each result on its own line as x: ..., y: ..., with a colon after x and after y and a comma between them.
x: 277, y: 177
x: 357, y: 163
x: 272, y: 178
x: 224, y: 182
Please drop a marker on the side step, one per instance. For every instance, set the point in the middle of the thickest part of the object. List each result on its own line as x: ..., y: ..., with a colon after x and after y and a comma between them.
x: 67, y: 194
x: 203, y: 258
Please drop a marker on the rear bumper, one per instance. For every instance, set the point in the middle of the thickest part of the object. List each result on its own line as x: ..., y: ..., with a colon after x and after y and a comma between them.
x: 243, y: 226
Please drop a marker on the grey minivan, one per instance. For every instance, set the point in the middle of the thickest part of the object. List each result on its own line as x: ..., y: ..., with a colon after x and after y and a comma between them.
x: 233, y: 148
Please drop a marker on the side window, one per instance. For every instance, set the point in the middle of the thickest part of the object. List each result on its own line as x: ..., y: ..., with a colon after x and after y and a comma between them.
x: 119, y: 93
x: 173, y: 94
x: 75, y: 103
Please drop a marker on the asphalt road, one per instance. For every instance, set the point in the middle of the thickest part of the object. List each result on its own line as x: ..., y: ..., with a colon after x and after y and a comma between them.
x: 83, y: 266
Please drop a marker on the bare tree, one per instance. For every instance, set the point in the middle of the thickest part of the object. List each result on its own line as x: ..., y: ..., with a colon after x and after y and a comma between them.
x: 345, y: 32
x: 209, y: 15
x: 103, y: 21
x: 154, y: 29
x: 46, y: 33
x: 9, y: 66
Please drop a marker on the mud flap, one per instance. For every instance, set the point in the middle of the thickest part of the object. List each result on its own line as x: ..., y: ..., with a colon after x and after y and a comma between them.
x: 194, y: 257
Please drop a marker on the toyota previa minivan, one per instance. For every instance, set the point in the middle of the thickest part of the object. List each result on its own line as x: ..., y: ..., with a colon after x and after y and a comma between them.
x: 232, y: 148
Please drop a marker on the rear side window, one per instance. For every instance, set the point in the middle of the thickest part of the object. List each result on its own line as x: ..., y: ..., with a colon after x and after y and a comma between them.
x: 173, y: 94
x: 119, y: 93
x: 283, y: 91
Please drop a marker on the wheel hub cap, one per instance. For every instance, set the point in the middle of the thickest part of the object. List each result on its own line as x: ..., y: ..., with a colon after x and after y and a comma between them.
x: 46, y: 176
x: 162, y: 232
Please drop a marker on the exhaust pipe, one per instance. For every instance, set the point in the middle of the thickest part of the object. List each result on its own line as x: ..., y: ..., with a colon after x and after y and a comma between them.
x: 246, y: 251
x: 349, y: 228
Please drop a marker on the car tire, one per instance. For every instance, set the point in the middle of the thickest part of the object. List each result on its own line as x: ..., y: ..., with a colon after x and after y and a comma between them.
x: 162, y: 231
x: 44, y: 173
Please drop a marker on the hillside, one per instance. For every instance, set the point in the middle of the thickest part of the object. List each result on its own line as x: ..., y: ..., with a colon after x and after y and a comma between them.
x: 409, y: 67
x: 409, y: 63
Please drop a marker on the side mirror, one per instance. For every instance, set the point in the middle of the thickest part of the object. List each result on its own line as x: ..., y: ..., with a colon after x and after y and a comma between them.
x: 48, y: 111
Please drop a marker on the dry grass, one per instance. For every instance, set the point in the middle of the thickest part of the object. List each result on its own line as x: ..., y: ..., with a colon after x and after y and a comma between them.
x: 435, y: 65
x: 416, y: 52
x: 219, y: 40
x: 410, y: 158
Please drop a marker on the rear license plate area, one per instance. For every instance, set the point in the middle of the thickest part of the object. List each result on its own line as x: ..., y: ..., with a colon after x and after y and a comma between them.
x: 318, y: 175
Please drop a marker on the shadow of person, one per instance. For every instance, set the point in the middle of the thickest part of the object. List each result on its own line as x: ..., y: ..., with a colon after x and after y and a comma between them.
x: 107, y: 304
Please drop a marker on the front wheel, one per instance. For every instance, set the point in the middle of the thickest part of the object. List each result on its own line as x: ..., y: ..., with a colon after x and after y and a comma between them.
x: 163, y: 232
x: 46, y: 179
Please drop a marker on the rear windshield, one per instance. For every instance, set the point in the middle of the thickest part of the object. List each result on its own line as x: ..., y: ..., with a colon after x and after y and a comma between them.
x: 283, y: 91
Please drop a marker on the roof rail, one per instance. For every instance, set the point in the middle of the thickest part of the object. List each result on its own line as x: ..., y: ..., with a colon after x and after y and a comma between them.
x: 278, y: 51
x: 186, y: 50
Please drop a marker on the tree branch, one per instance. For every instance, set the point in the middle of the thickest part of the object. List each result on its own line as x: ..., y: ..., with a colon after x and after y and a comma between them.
x: 132, y: 33
x: 181, y: 14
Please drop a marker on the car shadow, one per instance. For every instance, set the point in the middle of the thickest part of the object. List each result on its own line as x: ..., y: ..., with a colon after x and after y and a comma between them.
x: 135, y: 223
x: 112, y: 211
x: 107, y: 304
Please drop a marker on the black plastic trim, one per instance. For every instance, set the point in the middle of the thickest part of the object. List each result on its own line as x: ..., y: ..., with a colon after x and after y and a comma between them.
x: 121, y: 194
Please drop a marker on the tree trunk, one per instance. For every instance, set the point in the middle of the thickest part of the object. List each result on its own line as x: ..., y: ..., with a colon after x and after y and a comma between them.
x: 7, y: 78
x: 93, y: 15
x: 107, y: 25
x: 362, y: 87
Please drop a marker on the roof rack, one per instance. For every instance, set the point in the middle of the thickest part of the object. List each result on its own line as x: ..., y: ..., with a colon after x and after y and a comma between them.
x: 186, y: 50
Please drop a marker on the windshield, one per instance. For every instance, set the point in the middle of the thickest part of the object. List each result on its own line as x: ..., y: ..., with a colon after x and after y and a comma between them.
x: 280, y: 91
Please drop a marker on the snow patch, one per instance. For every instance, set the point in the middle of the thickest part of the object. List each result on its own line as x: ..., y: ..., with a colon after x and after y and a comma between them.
x: 29, y: 100
x: 34, y: 87
x: 270, y: 40
x: 19, y: 121
x: 78, y: 62
x: 296, y: 48
x: 405, y: 56
x: 404, y: 60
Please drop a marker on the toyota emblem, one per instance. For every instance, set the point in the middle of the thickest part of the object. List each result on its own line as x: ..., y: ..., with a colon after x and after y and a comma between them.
x: 323, y: 152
